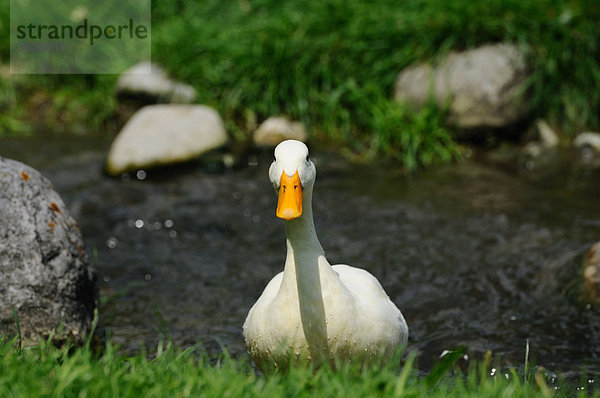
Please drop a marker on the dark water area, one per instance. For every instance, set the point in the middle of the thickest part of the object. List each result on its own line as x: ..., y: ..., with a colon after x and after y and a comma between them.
x: 473, y: 255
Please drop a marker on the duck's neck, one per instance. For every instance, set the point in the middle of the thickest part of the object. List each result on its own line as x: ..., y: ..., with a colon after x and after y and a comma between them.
x: 306, y: 269
x: 302, y: 237
x: 304, y: 250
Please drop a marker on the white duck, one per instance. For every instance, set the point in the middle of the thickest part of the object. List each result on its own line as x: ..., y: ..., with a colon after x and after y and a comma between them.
x: 313, y: 311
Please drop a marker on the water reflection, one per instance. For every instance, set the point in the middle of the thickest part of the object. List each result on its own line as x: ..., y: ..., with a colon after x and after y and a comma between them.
x: 112, y: 242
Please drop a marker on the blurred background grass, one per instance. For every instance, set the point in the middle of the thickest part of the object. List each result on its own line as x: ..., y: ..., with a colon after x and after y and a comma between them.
x: 332, y: 64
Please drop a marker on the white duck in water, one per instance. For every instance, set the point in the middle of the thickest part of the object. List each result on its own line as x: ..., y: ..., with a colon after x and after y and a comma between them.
x: 313, y: 311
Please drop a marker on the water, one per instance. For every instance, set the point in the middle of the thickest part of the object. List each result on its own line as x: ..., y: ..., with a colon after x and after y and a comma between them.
x: 473, y: 254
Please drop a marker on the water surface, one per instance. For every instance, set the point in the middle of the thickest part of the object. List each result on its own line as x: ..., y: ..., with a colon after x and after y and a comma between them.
x: 473, y: 254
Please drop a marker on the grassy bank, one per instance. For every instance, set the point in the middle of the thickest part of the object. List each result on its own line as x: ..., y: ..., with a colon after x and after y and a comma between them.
x: 332, y: 64
x: 45, y: 371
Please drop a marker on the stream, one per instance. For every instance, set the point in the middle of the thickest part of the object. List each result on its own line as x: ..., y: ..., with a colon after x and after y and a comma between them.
x: 473, y: 254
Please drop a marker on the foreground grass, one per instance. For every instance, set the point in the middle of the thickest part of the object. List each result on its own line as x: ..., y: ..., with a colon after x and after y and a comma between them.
x: 332, y: 64
x: 46, y: 371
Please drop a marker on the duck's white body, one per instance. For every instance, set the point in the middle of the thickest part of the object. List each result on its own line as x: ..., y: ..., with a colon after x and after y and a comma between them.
x: 313, y: 311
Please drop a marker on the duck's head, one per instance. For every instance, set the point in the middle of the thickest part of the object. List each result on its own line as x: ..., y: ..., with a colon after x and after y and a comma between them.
x: 293, y: 175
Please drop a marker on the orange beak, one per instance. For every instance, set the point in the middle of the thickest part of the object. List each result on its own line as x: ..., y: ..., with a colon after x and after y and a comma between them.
x: 289, y: 205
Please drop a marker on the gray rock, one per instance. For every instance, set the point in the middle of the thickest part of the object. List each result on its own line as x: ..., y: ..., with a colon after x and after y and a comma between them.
x: 45, y: 275
x: 588, y: 147
x: 151, y: 81
x: 159, y: 135
x: 548, y: 137
x: 588, y: 139
x: 534, y: 149
x: 182, y: 94
x: 543, y: 150
x: 482, y: 87
x: 277, y: 129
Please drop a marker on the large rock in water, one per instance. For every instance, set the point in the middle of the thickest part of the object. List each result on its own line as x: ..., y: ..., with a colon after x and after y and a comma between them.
x: 160, y: 135
x: 150, y: 82
x: 45, y: 275
x: 588, y: 148
x: 482, y: 87
x: 277, y: 129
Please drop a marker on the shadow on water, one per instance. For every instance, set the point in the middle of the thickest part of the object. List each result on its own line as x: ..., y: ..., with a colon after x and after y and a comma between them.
x: 472, y: 255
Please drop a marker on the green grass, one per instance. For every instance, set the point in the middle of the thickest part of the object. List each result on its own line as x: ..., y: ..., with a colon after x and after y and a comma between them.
x: 332, y: 64
x: 46, y: 371
x: 415, y: 139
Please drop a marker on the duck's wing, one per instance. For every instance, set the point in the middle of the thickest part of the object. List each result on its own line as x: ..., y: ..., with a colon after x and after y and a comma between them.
x: 360, y: 282
x: 377, y: 306
x: 256, y: 315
